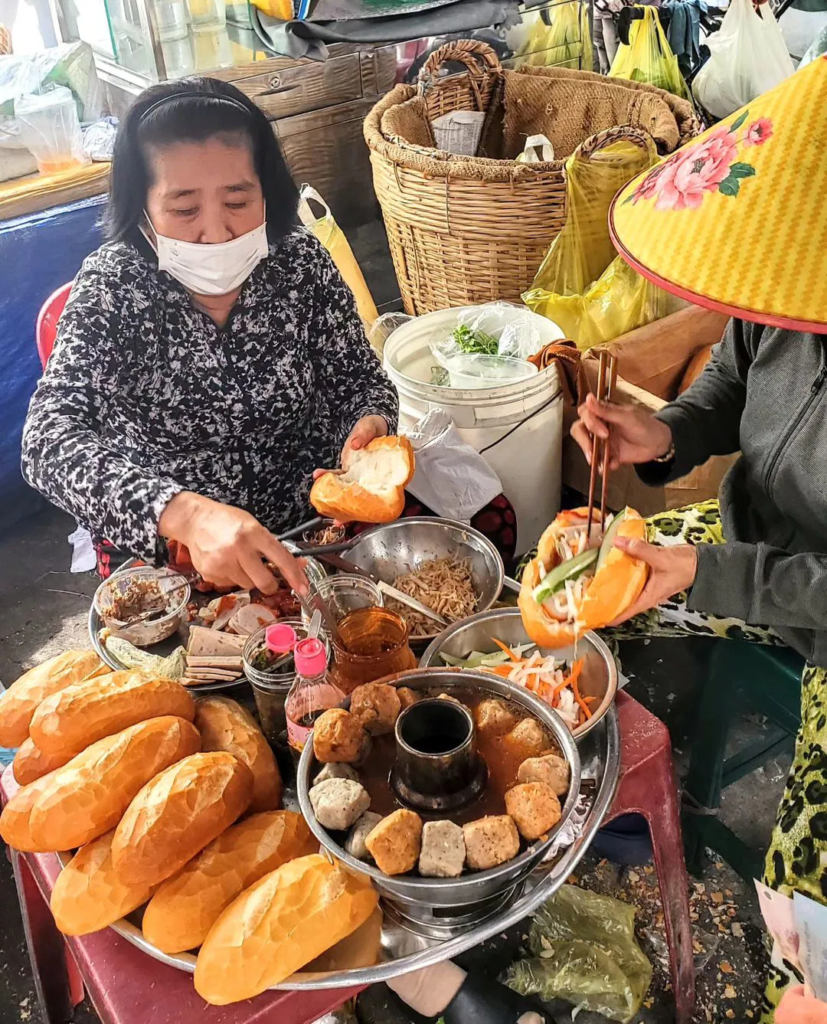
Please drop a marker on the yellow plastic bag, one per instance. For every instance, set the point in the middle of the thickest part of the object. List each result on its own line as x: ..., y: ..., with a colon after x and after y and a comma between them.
x: 280, y: 9
x: 333, y: 239
x: 558, y: 35
x: 649, y: 58
x: 582, y: 284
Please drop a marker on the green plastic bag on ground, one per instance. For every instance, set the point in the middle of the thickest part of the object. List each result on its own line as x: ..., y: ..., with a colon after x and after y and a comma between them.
x: 649, y: 58
x: 584, y: 951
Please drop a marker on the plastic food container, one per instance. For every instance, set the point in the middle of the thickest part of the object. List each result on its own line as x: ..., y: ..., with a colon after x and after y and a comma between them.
x: 51, y: 130
x: 132, y: 581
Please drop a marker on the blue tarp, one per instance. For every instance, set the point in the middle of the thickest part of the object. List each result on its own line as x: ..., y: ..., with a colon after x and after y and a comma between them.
x: 38, y: 254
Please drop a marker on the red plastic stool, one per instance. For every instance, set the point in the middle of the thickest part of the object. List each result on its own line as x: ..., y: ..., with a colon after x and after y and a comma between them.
x: 647, y: 786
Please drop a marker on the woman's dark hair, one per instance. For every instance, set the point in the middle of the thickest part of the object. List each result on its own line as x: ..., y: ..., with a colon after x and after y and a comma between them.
x: 192, y: 110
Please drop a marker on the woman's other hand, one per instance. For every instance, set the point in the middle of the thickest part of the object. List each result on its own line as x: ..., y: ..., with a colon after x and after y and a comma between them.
x: 227, y: 545
x: 634, y: 435
x: 366, y: 429
x: 671, y: 570
x: 798, y: 1008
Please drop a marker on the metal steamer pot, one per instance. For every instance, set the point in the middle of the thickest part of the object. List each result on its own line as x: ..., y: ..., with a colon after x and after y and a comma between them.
x: 446, y: 906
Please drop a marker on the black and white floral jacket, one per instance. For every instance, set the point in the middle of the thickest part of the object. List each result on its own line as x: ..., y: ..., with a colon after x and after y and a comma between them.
x: 144, y: 396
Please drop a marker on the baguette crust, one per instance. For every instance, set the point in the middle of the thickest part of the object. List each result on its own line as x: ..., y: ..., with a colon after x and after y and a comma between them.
x: 177, y: 814
x: 226, y: 725
x: 284, y: 921
x: 348, y: 501
x: 613, y: 588
x: 185, y: 907
x: 31, y: 764
x: 19, y: 702
x: 68, y: 721
x: 77, y: 803
x: 88, y: 895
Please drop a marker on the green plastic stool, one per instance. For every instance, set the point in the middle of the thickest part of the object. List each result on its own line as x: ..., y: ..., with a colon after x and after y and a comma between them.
x: 742, y: 676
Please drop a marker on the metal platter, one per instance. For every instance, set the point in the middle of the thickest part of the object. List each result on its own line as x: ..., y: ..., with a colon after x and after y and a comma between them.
x: 404, y: 950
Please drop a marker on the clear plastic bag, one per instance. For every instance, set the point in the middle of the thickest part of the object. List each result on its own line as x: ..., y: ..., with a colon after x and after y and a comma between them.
x: 584, y: 950
x: 649, y: 58
x: 489, y: 343
x: 749, y: 56
x: 451, y: 477
x: 50, y: 130
x: 383, y: 327
x: 334, y: 240
x: 99, y: 139
x: 582, y: 284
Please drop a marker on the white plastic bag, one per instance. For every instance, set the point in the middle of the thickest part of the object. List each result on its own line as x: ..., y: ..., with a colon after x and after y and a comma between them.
x: 451, y: 477
x: 749, y: 56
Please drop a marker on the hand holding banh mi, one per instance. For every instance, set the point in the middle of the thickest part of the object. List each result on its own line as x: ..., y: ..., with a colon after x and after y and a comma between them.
x: 371, y: 486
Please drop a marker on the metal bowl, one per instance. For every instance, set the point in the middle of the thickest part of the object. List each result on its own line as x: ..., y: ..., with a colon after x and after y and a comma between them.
x: 598, y: 678
x: 398, y: 548
x: 474, y: 887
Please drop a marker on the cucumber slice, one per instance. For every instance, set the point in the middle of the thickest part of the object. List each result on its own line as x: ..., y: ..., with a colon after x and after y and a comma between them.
x: 556, y: 578
x: 609, y: 539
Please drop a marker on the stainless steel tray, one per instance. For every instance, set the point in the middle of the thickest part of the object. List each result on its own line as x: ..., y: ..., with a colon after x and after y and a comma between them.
x: 405, y: 951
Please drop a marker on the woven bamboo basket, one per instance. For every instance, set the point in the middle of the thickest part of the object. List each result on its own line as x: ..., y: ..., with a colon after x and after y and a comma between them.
x: 466, y: 230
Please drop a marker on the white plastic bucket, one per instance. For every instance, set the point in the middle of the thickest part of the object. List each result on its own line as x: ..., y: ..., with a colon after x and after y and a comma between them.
x: 517, y: 427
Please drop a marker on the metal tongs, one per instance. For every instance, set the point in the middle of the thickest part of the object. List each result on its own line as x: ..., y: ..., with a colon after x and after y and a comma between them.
x: 606, y: 375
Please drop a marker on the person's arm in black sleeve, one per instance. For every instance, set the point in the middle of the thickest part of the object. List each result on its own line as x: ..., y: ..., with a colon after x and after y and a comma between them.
x: 705, y: 420
x: 64, y: 456
x: 347, y: 368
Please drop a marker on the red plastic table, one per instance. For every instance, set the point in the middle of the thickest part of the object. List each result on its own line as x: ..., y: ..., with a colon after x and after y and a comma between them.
x: 124, y: 985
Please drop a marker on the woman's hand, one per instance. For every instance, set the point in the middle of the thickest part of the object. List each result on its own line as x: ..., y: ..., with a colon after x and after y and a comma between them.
x: 671, y: 570
x: 366, y: 429
x: 798, y: 1008
x: 227, y: 545
x: 634, y: 434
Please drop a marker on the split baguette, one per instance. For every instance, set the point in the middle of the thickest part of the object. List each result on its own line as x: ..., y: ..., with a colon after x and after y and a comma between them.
x: 19, y: 702
x: 177, y: 814
x: 67, y: 722
x: 185, y: 907
x: 226, y: 725
x: 88, y: 895
x: 278, y: 925
x: 88, y: 796
x: 613, y: 588
x: 31, y: 764
x: 371, y: 488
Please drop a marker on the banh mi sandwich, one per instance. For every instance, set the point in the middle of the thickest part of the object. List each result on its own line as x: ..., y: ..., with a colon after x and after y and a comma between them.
x: 371, y: 486
x: 577, y: 583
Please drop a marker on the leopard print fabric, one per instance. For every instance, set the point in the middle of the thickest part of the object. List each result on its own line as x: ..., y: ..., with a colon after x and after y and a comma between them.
x: 797, y: 856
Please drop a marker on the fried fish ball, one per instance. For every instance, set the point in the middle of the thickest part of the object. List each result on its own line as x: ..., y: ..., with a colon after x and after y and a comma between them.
x: 337, y: 771
x: 534, y: 807
x: 338, y: 803
x: 490, y: 841
x: 550, y: 768
x: 376, y: 706
x: 443, y: 850
x: 494, y: 717
x: 527, y: 739
x: 406, y: 696
x: 339, y: 737
x: 355, y: 843
x: 396, y: 841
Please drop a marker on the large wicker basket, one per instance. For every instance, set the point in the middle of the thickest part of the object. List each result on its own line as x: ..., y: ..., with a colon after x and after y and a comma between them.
x: 465, y: 230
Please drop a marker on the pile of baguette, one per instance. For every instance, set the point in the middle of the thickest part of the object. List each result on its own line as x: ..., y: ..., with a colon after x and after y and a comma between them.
x: 171, y: 804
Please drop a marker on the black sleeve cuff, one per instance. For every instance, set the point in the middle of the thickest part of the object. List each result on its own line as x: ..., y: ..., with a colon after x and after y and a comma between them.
x: 482, y: 1000
x: 655, y: 474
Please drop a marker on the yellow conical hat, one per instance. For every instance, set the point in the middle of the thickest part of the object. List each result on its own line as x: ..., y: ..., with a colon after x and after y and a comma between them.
x: 736, y: 220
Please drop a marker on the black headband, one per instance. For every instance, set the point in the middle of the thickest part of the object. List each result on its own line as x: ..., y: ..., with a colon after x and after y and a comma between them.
x: 191, y: 96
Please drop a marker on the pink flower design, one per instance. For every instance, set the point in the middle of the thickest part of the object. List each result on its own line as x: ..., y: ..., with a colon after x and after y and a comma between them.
x: 758, y: 132
x: 697, y: 170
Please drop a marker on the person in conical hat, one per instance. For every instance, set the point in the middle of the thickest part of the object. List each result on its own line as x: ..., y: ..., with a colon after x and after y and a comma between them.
x: 736, y: 221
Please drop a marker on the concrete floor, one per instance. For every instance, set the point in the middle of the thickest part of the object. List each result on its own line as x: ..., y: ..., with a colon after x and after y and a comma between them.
x: 43, y: 610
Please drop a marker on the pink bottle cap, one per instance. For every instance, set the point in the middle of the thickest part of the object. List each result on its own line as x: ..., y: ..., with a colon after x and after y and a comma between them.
x: 280, y: 638
x: 310, y: 657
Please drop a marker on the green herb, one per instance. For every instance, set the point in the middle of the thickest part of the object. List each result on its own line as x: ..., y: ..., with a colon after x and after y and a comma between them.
x: 475, y: 342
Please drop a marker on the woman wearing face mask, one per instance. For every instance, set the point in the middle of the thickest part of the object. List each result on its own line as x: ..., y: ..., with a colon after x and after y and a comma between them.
x: 210, y: 356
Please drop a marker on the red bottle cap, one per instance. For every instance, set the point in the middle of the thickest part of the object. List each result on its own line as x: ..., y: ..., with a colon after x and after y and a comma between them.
x: 310, y: 657
x: 280, y: 638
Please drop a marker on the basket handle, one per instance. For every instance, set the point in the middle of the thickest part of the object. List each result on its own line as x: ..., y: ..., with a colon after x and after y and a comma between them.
x: 625, y: 132
x: 477, y: 56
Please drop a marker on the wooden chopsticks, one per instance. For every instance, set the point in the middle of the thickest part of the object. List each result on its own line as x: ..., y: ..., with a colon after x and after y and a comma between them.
x: 606, y: 373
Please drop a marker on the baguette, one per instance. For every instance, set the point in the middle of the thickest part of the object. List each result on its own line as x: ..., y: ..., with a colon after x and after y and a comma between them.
x: 30, y: 763
x: 226, y: 725
x: 177, y: 814
x: 88, y: 895
x: 68, y: 721
x: 18, y: 703
x: 361, y: 948
x: 88, y: 796
x: 278, y: 925
x: 371, y: 488
x: 185, y: 907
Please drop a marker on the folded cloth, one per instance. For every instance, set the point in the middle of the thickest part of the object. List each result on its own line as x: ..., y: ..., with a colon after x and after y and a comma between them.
x: 566, y: 355
x: 309, y: 38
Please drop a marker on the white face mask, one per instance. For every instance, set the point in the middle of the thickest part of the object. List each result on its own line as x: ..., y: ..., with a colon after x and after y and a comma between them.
x: 211, y: 269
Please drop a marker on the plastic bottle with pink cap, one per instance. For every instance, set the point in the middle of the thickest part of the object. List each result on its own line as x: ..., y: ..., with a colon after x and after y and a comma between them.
x: 311, y: 694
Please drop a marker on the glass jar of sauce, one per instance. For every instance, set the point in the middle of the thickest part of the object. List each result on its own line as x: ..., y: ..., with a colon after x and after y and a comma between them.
x: 374, y: 644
